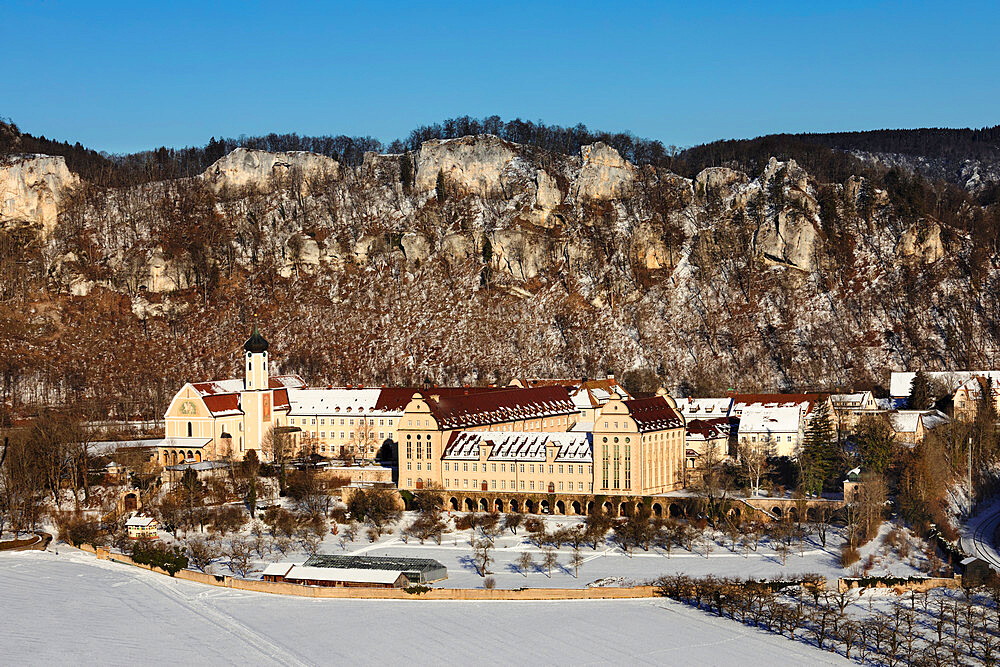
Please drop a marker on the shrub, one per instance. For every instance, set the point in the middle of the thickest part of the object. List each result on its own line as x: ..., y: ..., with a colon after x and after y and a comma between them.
x: 76, y: 530
x: 848, y: 555
x: 158, y: 554
x: 489, y: 583
x: 465, y: 522
x: 417, y: 589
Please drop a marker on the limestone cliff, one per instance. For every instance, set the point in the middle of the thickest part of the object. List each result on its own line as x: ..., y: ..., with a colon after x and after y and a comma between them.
x: 31, y: 187
x: 253, y: 168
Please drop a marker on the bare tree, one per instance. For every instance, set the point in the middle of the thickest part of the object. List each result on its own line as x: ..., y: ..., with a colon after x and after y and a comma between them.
x: 753, y: 461
x: 525, y: 562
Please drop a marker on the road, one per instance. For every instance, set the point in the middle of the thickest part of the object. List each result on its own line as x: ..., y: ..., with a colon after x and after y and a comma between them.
x: 978, y: 538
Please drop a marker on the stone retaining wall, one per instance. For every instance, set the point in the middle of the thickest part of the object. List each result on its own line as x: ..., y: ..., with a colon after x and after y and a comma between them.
x: 917, y: 585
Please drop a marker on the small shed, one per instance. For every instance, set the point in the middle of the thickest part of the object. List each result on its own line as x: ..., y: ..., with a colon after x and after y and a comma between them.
x: 976, y: 572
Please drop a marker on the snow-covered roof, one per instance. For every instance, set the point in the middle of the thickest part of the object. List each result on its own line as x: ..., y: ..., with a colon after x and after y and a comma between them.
x: 973, y: 387
x: 856, y: 399
x: 803, y: 402
x: 703, y: 408
x: 278, y: 569
x: 520, y: 446
x: 351, y: 574
x: 339, y: 400
x: 770, y: 420
x: 582, y: 427
x: 900, y: 382
x: 708, y: 429
x: 141, y: 521
x: 906, y: 421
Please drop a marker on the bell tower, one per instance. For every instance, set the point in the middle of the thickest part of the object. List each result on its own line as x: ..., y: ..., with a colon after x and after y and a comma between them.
x: 255, y: 362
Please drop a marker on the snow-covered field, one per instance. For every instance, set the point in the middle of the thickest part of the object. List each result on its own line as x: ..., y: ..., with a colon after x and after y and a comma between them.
x: 608, y: 564
x: 72, y: 608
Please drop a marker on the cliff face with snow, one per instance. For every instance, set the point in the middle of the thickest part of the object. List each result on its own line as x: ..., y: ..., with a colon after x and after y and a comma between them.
x: 31, y: 187
x: 477, y: 256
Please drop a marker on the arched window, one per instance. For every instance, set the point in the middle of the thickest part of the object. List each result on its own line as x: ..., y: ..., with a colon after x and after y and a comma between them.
x: 190, y: 430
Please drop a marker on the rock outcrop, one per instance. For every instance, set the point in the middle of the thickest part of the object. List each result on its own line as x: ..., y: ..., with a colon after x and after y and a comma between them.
x: 31, y: 187
x: 474, y: 163
x: 922, y: 241
x: 789, y: 234
x: 603, y: 173
x: 252, y: 168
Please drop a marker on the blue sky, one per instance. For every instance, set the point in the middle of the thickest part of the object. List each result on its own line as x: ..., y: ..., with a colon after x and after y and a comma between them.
x: 129, y: 76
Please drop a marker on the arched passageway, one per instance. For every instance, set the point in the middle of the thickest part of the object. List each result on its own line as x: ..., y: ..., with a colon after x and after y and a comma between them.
x: 608, y: 508
x: 560, y: 507
x: 454, y: 503
x: 576, y: 507
x: 514, y: 507
x: 544, y: 507
x: 498, y: 505
x: 529, y: 506
x: 657, y: 509
x: 470, y: 505
x: 484, y: 504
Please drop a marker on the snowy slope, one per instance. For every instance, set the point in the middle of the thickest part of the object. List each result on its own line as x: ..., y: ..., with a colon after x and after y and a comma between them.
x: 73, y: 608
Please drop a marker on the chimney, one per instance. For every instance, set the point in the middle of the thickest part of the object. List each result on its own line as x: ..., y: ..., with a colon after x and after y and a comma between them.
x: 611, y: 376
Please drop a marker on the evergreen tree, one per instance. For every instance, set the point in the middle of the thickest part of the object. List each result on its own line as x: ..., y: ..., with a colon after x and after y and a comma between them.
x: 875, y: 444
x: 440, y: 188
x: 819, y: 456
x: 406, y: 175
x: 920, y: 392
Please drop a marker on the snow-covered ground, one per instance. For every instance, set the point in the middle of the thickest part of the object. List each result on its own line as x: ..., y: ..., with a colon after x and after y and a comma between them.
x: 71, y: 607
x: 609, y: 563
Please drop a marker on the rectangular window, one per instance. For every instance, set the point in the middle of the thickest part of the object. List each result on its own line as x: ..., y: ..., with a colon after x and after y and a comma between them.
x: 493, y: 467
x: 428, y: 450
x: 409, y: 465
x: 503, y: 484
x: 465, y: 483
x: 493, y: 484
x: 446, y: 467
x: 532, y: 486
x: 628, y: 467
x: 531, y: 467
x: 428, y: 465
x: 465, y: 467
x: 617, y: 466
x: 409, y: 481
x: 580, y: 471
x: 420, y: 450
x: 605, y: 465
x: 522, y: 485
x: 560, y: 486
x: 503, y: 467
x: 419, y: 465
x: 447, y: 482
x: 561, y: 469
x: 551, y: 468
x: 322, y: 420
x: 322, y: 434
x: 475, y: 468
x: 580, y: 485
x: 522, y: 467
x: 341, y: 421
x: 409, y: 450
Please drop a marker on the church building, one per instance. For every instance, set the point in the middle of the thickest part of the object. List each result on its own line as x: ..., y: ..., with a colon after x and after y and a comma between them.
x: 222, y: 419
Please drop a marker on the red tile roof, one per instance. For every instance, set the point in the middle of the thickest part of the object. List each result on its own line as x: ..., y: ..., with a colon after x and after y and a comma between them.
x: 281, y: 400
x: 653, y: 414
x: 394, y: 399
x: 498, y: 407
x: 222, y: 404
